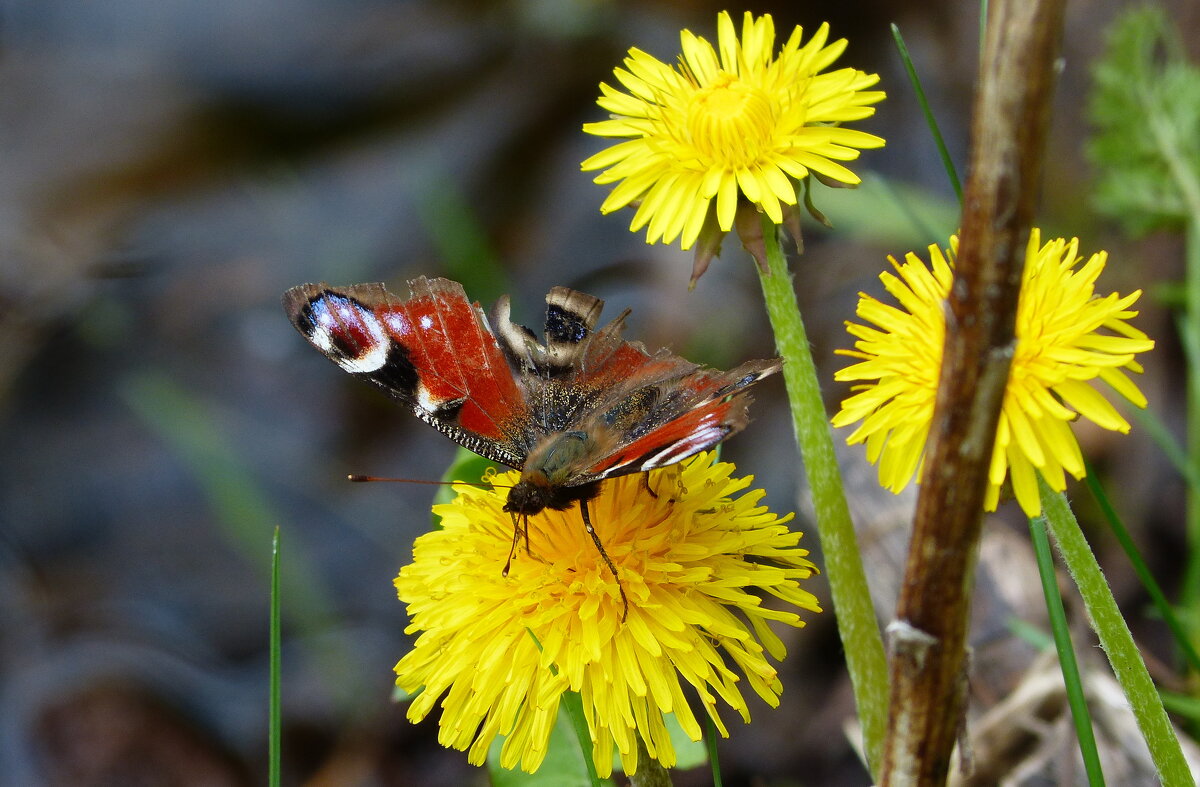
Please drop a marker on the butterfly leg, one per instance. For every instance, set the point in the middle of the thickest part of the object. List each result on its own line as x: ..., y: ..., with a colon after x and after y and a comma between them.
x: 646, y: 485
x: 670, y: 475
x: 587, y: 523
x: 516, y: 537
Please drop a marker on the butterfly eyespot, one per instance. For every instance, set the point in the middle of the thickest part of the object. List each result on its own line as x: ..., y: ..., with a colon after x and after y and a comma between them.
x: 564, y: 326
x: 347, y: 332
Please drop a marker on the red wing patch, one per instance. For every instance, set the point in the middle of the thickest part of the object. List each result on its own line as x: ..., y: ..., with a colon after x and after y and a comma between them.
x: 677, y: 439
x: 457, y: 360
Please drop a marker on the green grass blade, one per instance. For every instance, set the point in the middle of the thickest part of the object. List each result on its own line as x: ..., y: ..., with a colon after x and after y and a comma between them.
x: 273, y: 727
x: 1029, y: 633
x: 930, y: 120
x: 914, y: 218
x: 1143, y: 571
x: 710, y: 742
x: 890, y: 213
x: 1066, y: 653
x: 204, y: 440
x: 983, y: 13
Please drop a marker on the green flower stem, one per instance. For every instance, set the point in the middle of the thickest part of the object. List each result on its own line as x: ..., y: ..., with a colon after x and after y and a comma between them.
x: 650, y: 772
x: 574, y: 705
x: 1116, y: 640
x: 852, y: 605
x: 1076, y: 697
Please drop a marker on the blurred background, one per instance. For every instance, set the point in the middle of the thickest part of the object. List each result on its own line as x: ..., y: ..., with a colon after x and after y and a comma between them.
x: 168, y: 169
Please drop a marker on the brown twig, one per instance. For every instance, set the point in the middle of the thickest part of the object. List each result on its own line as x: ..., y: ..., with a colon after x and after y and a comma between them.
x: 1008, y: 132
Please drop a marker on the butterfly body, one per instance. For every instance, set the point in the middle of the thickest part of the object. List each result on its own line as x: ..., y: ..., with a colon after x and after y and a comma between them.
x: 580, y: 406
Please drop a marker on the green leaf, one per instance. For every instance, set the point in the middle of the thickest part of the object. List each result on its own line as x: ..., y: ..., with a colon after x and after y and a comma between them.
x: 1145, y: 105
x: 565, y: 763
x: 688, y: 753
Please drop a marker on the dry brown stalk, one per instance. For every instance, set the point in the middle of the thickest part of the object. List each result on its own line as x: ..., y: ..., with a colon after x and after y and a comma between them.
x: 1011, y: 113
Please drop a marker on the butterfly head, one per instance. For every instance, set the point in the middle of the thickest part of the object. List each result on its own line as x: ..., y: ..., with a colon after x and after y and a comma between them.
x: 535, y: 493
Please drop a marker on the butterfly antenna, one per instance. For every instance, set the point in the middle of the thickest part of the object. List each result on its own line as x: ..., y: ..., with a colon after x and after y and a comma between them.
x: 587, y: 523
x: 365, y: 479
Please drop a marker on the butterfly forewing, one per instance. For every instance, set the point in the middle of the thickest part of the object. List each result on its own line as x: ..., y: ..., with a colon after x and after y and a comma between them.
x: 432, y: 351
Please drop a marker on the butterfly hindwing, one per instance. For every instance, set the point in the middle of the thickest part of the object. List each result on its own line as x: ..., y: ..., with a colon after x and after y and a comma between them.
x: 662, y: 421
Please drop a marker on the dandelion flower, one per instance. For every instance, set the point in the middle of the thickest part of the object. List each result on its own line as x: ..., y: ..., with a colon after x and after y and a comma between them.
x: 728, y: 124
x: 1068, y: 340
x: 498, y: 652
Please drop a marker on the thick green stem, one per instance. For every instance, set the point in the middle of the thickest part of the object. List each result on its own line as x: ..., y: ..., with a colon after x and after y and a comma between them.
x: 1116, y: 640
x: 852, y: 605
x: 650, y: 772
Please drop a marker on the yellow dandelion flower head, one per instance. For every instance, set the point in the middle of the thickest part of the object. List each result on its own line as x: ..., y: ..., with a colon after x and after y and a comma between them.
x: 732, y: 120
x: 503, y: 649
x: 1069, y: 339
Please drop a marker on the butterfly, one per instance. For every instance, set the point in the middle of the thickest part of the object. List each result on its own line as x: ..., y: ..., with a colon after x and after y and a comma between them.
x: 580, y: 406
